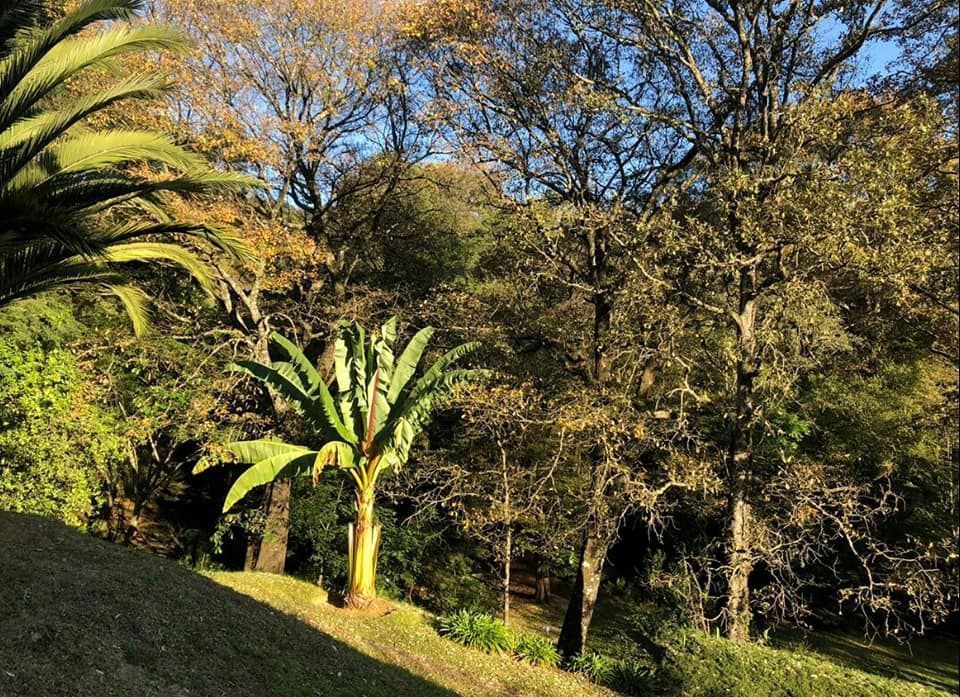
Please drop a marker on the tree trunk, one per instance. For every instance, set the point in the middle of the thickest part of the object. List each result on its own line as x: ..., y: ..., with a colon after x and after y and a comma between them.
x: 507, y: 559
x: 273, y: 548
x: 271, y: 554
x: 740, y: 561
x: 741, y: 564
x: 593, y: 553
x: 573, y: 633
x: 542, y: 591
x: 250, y: 559
x: 363, y: 543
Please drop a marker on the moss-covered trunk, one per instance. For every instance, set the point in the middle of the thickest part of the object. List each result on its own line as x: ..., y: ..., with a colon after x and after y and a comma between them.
x: 740, y: 458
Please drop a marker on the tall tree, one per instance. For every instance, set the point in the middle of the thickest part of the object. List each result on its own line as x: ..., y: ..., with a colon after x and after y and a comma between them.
x: 520, y: 87
x: 315, y: 99
x: 731, y: 74
x: 848, y: 212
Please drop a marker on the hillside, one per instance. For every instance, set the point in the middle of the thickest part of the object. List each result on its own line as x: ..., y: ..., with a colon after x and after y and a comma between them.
x: 79, y: 616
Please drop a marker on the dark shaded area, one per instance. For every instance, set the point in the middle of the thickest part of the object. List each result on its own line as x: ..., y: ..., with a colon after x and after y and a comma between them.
x: 79, y: 616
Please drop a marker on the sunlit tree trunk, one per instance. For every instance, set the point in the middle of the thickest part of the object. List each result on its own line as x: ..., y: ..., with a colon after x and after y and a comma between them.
x: 741, y: 564
x: 250, y: 558
x: 583, y: 598
x: 507, y: 560
x: 542, y: 591
x: 363, y: 543
x: 740, y: 559
x: 272, y: 555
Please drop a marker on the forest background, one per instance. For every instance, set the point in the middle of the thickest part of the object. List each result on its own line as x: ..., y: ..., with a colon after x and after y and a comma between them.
x: 710, y: 250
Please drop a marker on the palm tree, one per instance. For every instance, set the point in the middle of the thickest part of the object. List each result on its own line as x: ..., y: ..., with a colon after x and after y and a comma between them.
x: 76, y: 202
x: 367, y: 430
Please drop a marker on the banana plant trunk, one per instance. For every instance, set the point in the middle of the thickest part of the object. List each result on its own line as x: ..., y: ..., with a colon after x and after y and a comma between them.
x: 363, y: 545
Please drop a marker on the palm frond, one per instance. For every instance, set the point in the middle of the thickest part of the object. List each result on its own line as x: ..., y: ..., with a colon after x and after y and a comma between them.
x: 48, y: 126
x: 135, y: 302
x: 72, y: 55
x: 27, y: 42
x: 61, y: 184
x: 144, y: 252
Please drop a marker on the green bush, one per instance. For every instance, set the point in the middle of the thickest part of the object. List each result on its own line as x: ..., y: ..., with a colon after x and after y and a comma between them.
x: 536, y: 649
x: 56, y: 438
x: 594, y: 666
x: 477, y: 630
x: 698, y: 665
x: 632, y: 678
x: 449, y: 584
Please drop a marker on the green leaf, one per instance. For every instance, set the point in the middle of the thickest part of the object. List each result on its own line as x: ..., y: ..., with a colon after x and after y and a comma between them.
x: 308, y: 374
x: 135, y: 303
x: 289, y: 464
x: 409, y: 360
x: 443, y: 363
x: 255, y: 450
x: 283, y: 386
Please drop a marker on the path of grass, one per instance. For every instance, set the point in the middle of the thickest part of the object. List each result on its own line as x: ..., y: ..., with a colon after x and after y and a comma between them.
x: 79, y: 616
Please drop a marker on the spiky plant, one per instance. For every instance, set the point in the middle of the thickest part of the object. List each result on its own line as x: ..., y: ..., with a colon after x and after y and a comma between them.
x: 75, y: 202
x: 366, y: 430
x: 536, y: 649
x: 477, y: 630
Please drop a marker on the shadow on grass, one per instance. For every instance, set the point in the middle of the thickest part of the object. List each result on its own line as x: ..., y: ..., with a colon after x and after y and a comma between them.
x: 79, y: 616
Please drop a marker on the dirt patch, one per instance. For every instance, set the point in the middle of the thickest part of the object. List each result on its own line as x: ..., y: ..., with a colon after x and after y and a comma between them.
x: 377, y: 607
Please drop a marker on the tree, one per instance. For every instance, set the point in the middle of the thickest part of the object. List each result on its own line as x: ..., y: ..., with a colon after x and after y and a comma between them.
x: 728, y: 76
x: 74, y: 202
x: 829, y: 235
x: 380, y: 409
x: 315, y: 99
x: 497, y: 477
x: 516, y: 84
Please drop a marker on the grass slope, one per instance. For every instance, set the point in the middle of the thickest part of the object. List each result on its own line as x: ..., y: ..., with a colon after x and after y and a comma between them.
x: 838, y: 664
x: 712, y: 667
x: 929, y: 661
x: 79, y: 616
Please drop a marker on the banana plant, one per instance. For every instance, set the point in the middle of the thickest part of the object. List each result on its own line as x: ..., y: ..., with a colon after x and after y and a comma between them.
x: 365, y: 424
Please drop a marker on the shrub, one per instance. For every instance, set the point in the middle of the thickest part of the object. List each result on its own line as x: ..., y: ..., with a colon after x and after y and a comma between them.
x: 537, y: 650
x: 477, y: 630
x: 632, y: 678
x: 449, y: 583
x: 594, y: 666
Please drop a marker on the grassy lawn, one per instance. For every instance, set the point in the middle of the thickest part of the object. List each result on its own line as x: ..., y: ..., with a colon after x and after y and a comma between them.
x: 929, y: 661
x: 405, y: 635
x: 79, y: 616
